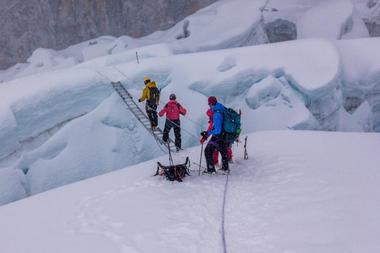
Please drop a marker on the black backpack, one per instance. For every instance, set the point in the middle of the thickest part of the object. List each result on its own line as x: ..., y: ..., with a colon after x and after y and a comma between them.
x: 154, y: 96
x: 174, y: 172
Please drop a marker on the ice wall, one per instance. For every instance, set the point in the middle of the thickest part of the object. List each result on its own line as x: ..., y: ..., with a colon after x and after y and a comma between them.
x: 64, y: 126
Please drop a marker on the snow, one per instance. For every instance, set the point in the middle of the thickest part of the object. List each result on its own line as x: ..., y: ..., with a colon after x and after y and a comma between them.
x: 299, y: 191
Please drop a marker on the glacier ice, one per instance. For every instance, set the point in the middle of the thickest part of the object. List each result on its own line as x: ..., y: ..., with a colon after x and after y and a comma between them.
x: 50, y: 118
x: 12, y: 185
x: 263, y: 91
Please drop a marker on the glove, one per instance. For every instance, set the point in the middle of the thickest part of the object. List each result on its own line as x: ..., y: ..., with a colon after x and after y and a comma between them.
x: 139, y: 100
x: 204, y: 134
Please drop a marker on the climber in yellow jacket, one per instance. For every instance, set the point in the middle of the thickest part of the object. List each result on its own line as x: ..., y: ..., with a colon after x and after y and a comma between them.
x: 152, y: 96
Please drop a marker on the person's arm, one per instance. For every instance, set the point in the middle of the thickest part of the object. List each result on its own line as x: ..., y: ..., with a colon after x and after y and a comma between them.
x: 217, y: 120
x: 163, y: 111
x: 182, y: 110
x: 144, y: 94
x: 210, y: 126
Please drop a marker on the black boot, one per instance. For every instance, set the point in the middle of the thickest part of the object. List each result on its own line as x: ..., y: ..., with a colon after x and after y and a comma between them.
x: 210, y: 170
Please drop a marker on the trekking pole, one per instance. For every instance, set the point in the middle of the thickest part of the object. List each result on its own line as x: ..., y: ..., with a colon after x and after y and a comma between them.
x: 137, y: 58
x: 200, y: 160
x: 245, y: 148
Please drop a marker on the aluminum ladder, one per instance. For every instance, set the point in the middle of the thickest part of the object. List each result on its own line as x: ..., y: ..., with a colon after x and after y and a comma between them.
x: 141, y: 116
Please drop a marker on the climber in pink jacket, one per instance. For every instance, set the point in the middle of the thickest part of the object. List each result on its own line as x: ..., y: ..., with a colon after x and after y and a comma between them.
x: 173, y: 110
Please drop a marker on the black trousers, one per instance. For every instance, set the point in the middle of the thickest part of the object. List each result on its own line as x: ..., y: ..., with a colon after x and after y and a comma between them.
x: 151, y: 111
x: 176, y: 124
x: 216, y: 143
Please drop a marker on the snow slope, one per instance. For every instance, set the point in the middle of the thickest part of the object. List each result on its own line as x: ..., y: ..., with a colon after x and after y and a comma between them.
x: 298, y: 192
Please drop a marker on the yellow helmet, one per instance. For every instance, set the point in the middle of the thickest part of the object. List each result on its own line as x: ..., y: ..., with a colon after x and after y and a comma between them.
x: 146, y: 79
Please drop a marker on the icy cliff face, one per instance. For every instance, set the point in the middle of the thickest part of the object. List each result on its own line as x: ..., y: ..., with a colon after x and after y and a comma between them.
x: 373, y: 19
x: 361, y: 78
x: 28, y: 25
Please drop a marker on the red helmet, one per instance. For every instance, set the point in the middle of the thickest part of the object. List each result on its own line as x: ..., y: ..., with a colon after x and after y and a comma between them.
x: 212, y: 100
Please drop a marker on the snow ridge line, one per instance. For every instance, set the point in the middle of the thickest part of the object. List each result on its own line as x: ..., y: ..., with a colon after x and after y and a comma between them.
x: 223, y: 215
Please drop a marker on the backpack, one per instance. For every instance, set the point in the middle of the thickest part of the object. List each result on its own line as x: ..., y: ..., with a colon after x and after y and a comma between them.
x: 174, y: 172
x: 154, y: 96
x: 231, y: 124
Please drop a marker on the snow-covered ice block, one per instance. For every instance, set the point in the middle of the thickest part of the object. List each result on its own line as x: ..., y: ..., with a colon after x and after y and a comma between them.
x: 331, y: 20
x: 8, y: 132
x: 12, y: 185
x: 361, y: 74
x: 359, y: 121
x: 286, y: 111
x: 38, y: 103
x: 263, y: 91
x: 210, y: 29
x: 53, y: 99
x: 108, y: 138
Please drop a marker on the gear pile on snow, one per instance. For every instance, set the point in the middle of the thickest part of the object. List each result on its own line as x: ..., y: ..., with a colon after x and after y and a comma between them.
x: 174, y: 172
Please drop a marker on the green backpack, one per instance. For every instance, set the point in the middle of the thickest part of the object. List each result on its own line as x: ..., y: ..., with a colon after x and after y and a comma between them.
x: 231, y: 124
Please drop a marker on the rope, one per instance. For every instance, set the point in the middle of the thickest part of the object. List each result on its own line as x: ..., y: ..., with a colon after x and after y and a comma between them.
x: 118, y: 70
x: 192, y: 121
x: 182, y: 128
x: 223, y: 216
x: 170, y: 154
x: 194, y: 163
x: 106, y: 77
